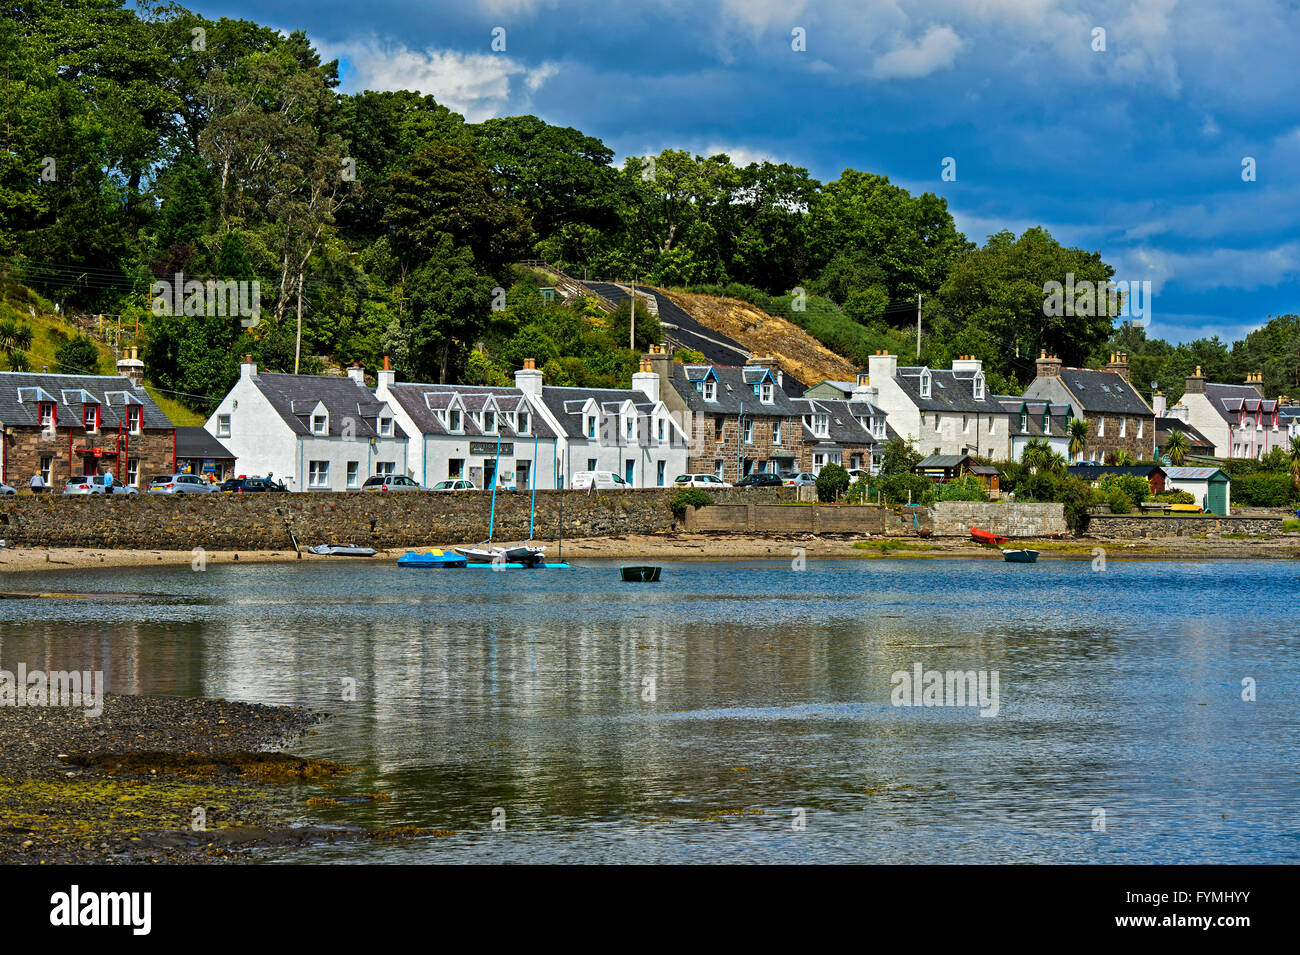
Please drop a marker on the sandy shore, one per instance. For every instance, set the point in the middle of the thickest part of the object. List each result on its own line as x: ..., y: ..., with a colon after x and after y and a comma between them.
x: 707, y: 547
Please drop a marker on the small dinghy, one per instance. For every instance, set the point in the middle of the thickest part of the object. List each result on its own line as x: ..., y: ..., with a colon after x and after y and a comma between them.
x: 521, y: 554
x: 640, y: 574
x: 342, y: 550
x: 986, y: 537
x: 430, y: 558
x: 1022, y: 556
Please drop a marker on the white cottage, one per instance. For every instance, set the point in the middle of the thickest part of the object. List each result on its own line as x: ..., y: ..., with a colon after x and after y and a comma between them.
x: 314, y: 432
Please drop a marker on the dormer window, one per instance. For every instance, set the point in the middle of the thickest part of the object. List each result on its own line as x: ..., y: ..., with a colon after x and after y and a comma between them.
x: 925, y: 383
x: 523, y: 422
x: 134, y: 417
x: 320, y: 424
x: 662, y: 429
x: 386, y: 427
x: 1024, y: 421
x: 631, y: 427
x: 489, y: 422
x: 454, y: 423
x: 47, y: 416
x: 710, y: 391
x: 821, y: 425
x: 765, y: 393
x: 590, y: 425
x: 1047, y: 422
x: 90, y: 416
x: 978, y: 385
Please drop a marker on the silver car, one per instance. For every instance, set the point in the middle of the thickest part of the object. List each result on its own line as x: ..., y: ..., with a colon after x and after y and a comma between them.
x: 97, y: 484
x: 6, y: 489
x: 180, y: 484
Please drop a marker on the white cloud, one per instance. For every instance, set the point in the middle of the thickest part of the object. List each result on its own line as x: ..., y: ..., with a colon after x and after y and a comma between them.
x: 936, y: 50
x: 477, y: 85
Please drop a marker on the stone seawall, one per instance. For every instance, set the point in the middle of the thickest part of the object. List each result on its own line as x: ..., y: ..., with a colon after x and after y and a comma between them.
x: 1192, y: 525
x: 1009, y: 519
x: 264, y: 521
x: 755, y: 517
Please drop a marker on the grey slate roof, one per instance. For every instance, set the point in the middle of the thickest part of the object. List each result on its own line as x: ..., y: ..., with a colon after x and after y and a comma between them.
x: 949, y: 391
x: 198, y: 443
x: 842, y: 426
x: 111, y: 392
x: 294, y: 397
x: 1058, y: 423
x: 1091, y: 472
x: 1230, y: 400
x: 1165, y: 425
x: 420, y: 401
x: 735, y: 390
x: 1103, y: 392
x: 566, y: 404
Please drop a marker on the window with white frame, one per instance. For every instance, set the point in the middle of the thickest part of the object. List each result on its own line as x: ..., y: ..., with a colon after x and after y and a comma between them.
x: 1123, y: 427
x: 978, y: 387
x: 386, y: 427
x: 993, y: 424
x: 47, y: 468
x: 925, y: 383
x: 776, y: 432
x: 937, y: 419
x: 384, y: 468
x: 132, y: 471
x: 591, y: 425
x: 749, y: 430
x: 1101, y: 427
x: 523, y: 422
x: 318, y: 474
x: 630, y: 429
x: 710, y: 391
x: 223, y: 426
x: 766, y: 393
x: 320, y: 424
x: 965, y: 424
x: 454, y: 424
x: 354, y: 474
x: 489, y: 422
x: 821, y: 425
x: 134, y: 418
x: 1141, y: 428
x: 1024, y: 421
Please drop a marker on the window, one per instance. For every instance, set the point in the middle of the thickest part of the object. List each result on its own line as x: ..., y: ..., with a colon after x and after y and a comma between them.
x: 978, y: 386
x: 925, y: 383
x: 776, y: 432
x: 937, y: 419
x: 223, y: 426
x: 591, y: 464
x: 819, y: 461
x: 765, y: 395
x: 591, y: 426
x: 47, y: 466
x: 659, y: 473
x: 354, y: 473
x: 318, y: 474
x: 663, y: 429
x: 47, y: 416
x: 1101, y: 427
x: 878, y: 427
x: 134, y: 416
x: 455, y: 468
x: 1123, y: 427
x: 710, y: 390
x: 489, y: 422
x: 993, y: 424
x: 749, y: 431
x: 717, y: 469
x: 524, y: 422
x: 90, y: 417
x: 1024, y: 421
x: 132, y: 471
x: 631, y: 427
x: 1140, y: 428
x: 319, y: 424
x: 453, y: 421
x: 383, y: 468
x: 821, y: 425
x: 386, y: 427
x: 965, y: 424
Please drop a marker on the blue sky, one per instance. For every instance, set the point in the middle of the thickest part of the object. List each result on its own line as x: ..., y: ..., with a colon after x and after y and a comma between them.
x: 1135, y: 151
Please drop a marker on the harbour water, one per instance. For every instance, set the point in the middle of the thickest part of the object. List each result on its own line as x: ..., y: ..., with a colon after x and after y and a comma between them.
x: 740, y: 711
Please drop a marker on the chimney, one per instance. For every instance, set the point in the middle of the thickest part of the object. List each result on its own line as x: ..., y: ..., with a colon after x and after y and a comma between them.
x: 249, y: 367
x: 1178, y: 412
x: 357, y: 374
x: 1255, y: 378
x: 1195, y: 384
x: 529, y: 380
x: 130, y: 366
x: 882, y: 365
x: 1048, y: 366
x: 647, y: 380
x: 1119, y: 364
x: 385, y: 378
x: 662, y: 364
x: 1158, y: 404
x: 864, y: 392
x: 967, y: 363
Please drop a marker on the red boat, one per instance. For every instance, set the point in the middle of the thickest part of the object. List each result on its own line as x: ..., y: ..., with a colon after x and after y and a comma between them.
x: 984, y: 537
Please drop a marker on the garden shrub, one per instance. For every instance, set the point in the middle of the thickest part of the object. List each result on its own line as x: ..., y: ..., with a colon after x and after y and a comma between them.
x: 1262, y: 490
x: 832, y: 481
x: 688, y: 497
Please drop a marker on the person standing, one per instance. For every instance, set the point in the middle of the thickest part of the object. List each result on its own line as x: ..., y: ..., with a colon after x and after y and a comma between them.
x: 37, y: 484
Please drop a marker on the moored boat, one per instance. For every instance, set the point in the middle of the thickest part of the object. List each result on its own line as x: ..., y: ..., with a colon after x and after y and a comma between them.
x: 1019, y: 556
x: 640, y: 574
x: 342, y: 550
x: 986, y: 537
x: 430, y: 558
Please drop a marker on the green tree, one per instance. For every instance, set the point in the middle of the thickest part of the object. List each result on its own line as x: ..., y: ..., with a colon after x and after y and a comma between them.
x: 15, y: 340
x: 77, y: 356
x: 832, y: 481
x: 1078, y: 431
x: 1176, y: 447
x: 899, y: 457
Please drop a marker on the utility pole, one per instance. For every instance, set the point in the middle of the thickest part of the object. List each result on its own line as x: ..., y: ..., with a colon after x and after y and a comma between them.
x: 632, y: 317
x: 918, y: 327
x: 297, y: 344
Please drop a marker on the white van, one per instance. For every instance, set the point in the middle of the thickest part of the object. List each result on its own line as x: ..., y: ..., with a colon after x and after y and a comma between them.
x: 600, y: 480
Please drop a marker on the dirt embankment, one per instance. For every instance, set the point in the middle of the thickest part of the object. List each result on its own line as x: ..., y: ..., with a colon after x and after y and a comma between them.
x: 799, y: 354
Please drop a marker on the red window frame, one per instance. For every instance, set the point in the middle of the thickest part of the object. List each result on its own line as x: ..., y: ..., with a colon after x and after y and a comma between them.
x: 86, y: 410
x: 134, y: 418
x: 54, y: 413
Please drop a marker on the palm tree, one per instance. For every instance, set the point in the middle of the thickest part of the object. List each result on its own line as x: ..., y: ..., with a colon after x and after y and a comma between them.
x: 1177, y: 446
x: 1078, y: 432
x: 1124, y: 457
x: 1035, y: 454
x: 1056, y: 462
x: 15, y: 339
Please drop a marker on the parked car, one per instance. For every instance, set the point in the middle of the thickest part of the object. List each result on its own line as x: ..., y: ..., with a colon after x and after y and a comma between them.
x: 6, y: 489
x: 859, y: 474
x: 600, y: 480
x: 458, y: 484
x: 241, y: 485
x: 97, y: 484
x: 708, y: 481
x: 180, y: 484
x: 760, y: 480
x: 801, y: 479
x: 390, y: 482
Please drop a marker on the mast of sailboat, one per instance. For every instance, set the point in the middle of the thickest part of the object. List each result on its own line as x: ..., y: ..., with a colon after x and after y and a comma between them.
x: 496, y: 478
x: 532, y: 474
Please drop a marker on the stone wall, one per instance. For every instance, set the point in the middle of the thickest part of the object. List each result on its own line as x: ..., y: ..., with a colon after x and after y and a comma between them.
x: 956, y: 518
x: 153, y: 451
x: 263, y: 521
x: 760, y: 518
x: 1169, y: 525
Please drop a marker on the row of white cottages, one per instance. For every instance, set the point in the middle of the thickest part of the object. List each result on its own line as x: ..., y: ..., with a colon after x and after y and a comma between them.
x: 324, y: 433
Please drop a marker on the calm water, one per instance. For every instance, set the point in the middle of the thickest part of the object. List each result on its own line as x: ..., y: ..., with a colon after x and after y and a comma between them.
x: 529, y: 692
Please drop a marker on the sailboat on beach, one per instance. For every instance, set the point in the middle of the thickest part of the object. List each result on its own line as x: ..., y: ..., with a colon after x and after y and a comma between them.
x: 523, y: 553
